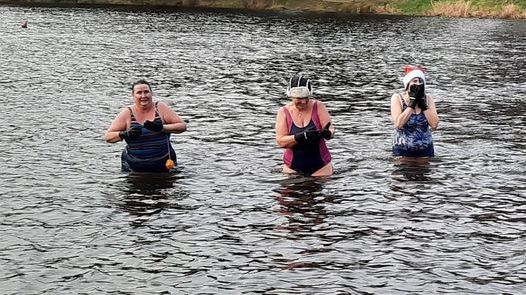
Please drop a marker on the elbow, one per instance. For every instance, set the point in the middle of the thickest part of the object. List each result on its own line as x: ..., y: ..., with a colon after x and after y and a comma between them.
x: 434, y: 125
x: 283, y: 144
x: 109, y: 138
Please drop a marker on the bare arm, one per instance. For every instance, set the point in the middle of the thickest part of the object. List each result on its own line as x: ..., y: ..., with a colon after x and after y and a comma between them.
x: 398, y: 116
x: 283, y: 138
x: 325, y: 117
x: 120, y: 123
x: 431, y: 113
x: 172, y: 122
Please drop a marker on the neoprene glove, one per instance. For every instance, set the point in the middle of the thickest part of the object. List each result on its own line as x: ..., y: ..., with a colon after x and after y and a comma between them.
x: 423, y: 104
x: 326, y: 133
x: 309, y: 136
x: 417, y: 91
x: 156, y: 125
x: 132, y: 133
x: 412, y: 101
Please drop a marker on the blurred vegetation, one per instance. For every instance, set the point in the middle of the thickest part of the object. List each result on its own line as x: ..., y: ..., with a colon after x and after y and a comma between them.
x: 445, y: 8
x: 463, y: 8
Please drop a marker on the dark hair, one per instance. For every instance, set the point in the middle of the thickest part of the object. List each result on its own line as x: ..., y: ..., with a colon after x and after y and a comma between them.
x: 142, y: 81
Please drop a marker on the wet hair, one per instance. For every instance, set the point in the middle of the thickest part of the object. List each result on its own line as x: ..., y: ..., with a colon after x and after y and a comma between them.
x: 139, y: 82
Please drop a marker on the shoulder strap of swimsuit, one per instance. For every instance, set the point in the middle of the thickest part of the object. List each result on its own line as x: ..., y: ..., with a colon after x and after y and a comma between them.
x: 132, y: 116
x: 402, y: 102
x: 157, y: 113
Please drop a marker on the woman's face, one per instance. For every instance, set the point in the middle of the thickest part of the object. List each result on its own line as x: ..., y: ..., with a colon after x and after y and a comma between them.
x: 300, y: 102
x: 416, y: 81
x: 142, y: 95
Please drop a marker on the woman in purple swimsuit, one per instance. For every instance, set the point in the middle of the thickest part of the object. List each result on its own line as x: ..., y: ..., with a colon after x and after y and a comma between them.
x: 413, y: 112
x: 302, y: 127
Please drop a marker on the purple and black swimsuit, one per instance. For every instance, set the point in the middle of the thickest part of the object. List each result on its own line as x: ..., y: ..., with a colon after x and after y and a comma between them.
x: 306, y: 159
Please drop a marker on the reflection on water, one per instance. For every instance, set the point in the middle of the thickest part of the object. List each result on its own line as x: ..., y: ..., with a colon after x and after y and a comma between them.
x: 149, y: 183
x: 301, y: 202
x: 412, y: 169
x: 148, y: 194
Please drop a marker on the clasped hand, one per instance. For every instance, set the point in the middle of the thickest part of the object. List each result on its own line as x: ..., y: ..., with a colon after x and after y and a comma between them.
x: 417, y: 97
x: 311, y: 136
x: 156, y: 125
x: 132, y: 133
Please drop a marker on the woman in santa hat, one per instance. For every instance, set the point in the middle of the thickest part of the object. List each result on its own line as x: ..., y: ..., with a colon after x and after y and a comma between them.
x: 413, y: 112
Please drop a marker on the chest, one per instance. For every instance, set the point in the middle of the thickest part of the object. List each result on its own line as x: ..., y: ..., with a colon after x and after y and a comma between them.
x: 301, y: 118
x: 142, y: 116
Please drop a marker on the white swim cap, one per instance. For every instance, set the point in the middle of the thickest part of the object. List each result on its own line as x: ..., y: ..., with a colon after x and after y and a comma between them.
x: 299, y: 86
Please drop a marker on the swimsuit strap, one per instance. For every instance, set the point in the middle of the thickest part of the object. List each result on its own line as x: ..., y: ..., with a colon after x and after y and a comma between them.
x: 157, y: 114
x: 314, y: 117
x: 402, y: 102
x: 132, y: 116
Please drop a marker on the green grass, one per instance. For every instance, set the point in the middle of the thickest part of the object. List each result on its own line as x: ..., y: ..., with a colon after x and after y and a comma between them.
x: 414, y: 7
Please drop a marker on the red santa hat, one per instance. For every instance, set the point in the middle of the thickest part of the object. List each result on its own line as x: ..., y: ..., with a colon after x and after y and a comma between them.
x: 412, y: 72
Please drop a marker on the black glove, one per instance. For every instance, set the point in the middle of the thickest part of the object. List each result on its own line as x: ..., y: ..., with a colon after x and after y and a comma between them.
x: 132, y: 133
x: 307, y: 137
x: 417, y: 91
x: 326, y: 133
x: 422, y: 104
x: 412, y: 101
x: 156, y: 125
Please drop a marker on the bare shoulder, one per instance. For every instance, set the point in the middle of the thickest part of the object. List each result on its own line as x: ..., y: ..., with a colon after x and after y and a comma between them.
x: 125, y: 112
x: 162, y: 105
x: 396, y: 97
x: 164, y: 108
x: 282, y: 109
x: 320, y: 105
x: 319, y: 102
x: 121, y: 120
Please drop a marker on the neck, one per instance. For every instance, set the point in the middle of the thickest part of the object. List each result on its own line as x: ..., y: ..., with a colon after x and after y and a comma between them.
x: 301, y: 108
x: 143, y: 108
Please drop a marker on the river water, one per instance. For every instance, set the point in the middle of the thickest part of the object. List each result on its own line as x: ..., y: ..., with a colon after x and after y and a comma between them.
x: 228, y: 222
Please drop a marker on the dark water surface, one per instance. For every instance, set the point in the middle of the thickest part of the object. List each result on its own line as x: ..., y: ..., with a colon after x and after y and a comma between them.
x: 228, y: 222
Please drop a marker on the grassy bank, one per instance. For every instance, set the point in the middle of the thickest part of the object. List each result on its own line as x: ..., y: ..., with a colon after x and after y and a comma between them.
x: 462, y: 8
x: 445, y: 8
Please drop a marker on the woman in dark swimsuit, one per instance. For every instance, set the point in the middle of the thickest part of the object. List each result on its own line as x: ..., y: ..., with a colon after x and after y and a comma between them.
x: 146, y: 127
x: 302, y: 127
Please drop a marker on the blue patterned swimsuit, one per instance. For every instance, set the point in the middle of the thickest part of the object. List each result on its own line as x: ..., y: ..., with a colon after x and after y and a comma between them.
x: 414, y: 138
x: 149, y: 152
